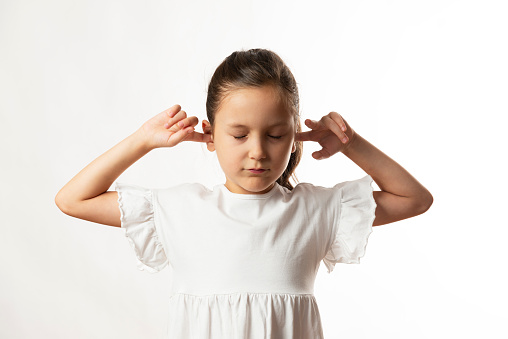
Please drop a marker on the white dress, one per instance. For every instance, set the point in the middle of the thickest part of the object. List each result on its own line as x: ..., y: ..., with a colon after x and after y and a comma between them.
x: 244, y: 265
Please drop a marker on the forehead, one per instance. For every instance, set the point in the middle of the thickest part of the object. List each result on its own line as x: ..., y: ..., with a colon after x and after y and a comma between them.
x: 254, y: 107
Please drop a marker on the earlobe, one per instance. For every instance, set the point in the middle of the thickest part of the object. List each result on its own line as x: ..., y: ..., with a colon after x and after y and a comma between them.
x: 207, y: 129
x: 293, y: 150
x: 210, y: 146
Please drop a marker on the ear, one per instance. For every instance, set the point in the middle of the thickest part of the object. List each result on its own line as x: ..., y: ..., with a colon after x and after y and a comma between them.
x: 293, y: 150
x: 207, y: 129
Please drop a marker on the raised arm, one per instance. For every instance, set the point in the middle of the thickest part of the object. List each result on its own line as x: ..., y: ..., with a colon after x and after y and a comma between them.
x: 401, y: 195
x: 86, y: 196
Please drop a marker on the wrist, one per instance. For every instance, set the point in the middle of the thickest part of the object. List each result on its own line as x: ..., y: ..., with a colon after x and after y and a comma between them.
x: 140, y: 141
x: 352, y: 144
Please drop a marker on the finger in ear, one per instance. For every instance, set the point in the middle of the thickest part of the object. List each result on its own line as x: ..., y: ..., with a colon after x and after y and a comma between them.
x: 207, y: 128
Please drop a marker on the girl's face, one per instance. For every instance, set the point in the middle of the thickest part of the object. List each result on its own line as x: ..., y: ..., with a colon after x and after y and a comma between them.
x: 254, y: 137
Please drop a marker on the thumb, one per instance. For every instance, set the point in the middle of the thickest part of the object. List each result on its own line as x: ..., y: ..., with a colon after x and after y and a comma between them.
x: 321, y: 154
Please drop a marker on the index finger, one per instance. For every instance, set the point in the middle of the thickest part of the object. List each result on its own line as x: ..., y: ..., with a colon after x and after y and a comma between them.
x: 199, y: 137
x: 304, y: 136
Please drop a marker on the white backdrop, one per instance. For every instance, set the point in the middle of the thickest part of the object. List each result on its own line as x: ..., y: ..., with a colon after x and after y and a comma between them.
x: 424, y: 81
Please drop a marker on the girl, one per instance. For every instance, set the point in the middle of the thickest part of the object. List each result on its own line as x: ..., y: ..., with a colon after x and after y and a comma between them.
x: 246, y: 253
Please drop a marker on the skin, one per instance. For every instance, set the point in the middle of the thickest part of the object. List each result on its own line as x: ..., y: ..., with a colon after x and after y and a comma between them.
x: 86, y: 196
x: 252, y: 130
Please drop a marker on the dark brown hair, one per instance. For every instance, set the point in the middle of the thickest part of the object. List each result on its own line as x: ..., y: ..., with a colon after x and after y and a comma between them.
x: 257, y: 68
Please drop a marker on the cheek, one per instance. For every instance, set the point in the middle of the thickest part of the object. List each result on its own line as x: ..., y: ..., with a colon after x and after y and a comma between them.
x: 227, y: 154
x: 282, y: 153
x: 286, y: 147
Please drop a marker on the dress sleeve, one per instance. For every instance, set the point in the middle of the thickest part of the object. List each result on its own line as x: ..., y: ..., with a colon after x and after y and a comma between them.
x: 137, y: 219
x: 354, y: 225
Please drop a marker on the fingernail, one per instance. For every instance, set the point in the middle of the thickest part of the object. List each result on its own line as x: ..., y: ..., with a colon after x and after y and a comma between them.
x: 344, y: 140
x: 343, y: 128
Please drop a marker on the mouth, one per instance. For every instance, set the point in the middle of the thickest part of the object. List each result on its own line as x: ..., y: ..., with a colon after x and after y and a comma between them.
x: 257, y: 170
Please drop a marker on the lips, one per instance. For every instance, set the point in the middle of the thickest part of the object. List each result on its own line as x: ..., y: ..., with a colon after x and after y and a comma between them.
x: 256, y: 170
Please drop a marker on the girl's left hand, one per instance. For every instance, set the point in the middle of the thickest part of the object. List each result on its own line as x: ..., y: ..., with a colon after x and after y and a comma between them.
x: 332, y: 132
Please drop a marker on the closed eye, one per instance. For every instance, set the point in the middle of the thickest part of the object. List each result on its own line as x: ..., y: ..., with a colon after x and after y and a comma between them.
x: 271, y: 136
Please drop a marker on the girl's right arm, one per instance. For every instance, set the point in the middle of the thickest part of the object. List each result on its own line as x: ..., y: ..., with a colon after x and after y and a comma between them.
x: 86, y: 196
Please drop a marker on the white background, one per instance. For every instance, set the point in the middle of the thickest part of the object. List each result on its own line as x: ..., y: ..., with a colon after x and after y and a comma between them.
x: 424, y: 81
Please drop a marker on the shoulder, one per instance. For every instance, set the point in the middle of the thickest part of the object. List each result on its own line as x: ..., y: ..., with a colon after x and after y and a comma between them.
x: 307, y: 193
x: 341, y: 190
x: 305, y: 188
x: 341, y: 186
x: 183, y: 191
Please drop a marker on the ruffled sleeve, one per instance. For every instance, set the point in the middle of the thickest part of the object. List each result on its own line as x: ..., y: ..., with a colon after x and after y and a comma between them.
x: 137, y: 219
x: 356, y: 216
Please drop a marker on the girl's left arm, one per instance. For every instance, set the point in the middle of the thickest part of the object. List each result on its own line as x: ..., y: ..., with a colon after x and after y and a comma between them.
x: 401, y: 195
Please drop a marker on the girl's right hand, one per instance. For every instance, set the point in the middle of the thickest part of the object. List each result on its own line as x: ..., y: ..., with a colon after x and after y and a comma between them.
x: 169, y: 128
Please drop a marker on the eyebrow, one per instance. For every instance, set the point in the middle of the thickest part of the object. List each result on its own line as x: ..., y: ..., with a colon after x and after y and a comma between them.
x: 243, y: 126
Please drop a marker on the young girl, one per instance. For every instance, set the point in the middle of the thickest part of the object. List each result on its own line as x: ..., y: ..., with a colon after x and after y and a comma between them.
x: 246, y: 253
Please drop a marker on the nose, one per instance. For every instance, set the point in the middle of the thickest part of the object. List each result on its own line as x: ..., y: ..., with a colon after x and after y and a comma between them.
x: 257, y: 149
